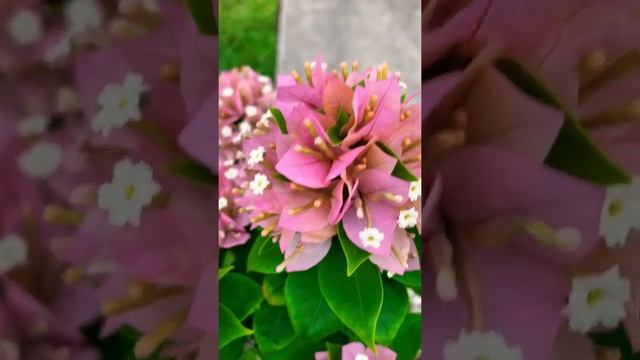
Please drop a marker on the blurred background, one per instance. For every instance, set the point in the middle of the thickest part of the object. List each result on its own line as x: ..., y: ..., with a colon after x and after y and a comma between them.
x: 277, y: 36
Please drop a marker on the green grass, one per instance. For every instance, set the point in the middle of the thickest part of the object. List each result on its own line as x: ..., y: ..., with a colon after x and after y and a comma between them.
x: 248, y: 34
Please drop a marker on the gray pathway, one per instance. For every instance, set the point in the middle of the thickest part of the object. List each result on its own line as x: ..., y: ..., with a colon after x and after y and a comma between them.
x: 370, y: 31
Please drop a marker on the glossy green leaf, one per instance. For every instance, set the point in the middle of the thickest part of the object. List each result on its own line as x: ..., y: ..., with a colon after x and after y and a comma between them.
x: 334, y: 132
x: 297, y: 349
x: 273, y: 288
x: 356, y: 300
x: 202, y: 13
x: 408, y: 340
x: 273, y: 329
x: 240, y: 294
x: 412, y: 279
x: 194, y: 172
x: 355, y: 256
x: 277, y: 114
x: 264, y: 256
x: 573, y: 151
x: 229, y: 327
x: 224, y: 271
x: 400, y: 170
x: 335, y: 351
x: 395, y: 307
x: 233, y: 350
x: 310, y: 314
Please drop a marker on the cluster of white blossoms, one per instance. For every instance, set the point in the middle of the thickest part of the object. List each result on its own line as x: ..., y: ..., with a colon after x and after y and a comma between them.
x: 25, y: 27
x: 415, y: 190
x: 119, y: 104
x: 41, y: 160
x: 131, y: 189
x: 620, y: 213
x: 361, y: 357
x: 598, y: 300
x: 476, y: 345
x: 259, y: 183
x: 371, y: 237
x: 408, y: 218
x: 13, y: 252
x: 32, y: 125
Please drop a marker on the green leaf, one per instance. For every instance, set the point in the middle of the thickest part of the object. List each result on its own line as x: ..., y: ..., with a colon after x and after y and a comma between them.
x: 240, y: 294
x: 273, y: 329
x: 224, y: 271
x: 412, y: 279
x: 400, y: 170
x: 194, y: 172
x: 264, y: 256
x: 395, y: 307
x: 310, y: 314
x: 334, y: 132
x: 229, y: 327
x: 408, y: 340
x: 233, y: 350
x: 297, y: 349
x: 202, y: 13
x: 573, y: 151
x: 277, y: 114
x: 335, y: 351
x: 616, y: 338
x: 403, y: 97
x: 356, y: 300
x: 355, y: 255
x: 273, y: 288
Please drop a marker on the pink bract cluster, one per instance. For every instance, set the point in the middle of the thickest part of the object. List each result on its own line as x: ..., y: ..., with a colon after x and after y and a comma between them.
x: 245, y: 98
x: 340, y: 150
x: 102, y: 138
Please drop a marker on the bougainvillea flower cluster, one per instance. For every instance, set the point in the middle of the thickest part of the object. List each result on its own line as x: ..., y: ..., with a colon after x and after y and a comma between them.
x: 338, y: 152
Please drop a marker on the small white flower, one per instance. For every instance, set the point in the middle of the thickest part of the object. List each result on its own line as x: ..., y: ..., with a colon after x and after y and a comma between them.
x: 25, y: 27
x: 245, y: 128
x: 258, y: 184
x: 267, y: 88
x: 32, y: 125
x: 598, y: 299
x: 82, y: 16
x: 119, y: 104
x: 250, y: 110
x: 256, y: 156
x: 226, y: 131
x: 131, y: 189
x: 264, y: 119
x: 228, y: 162
x: 9, y: 350
x: 231, y: 173
x: 415, y: 301
x: 222, y: 202
x: 403, y: 85
x: 415, y: 190
x: 620, y: 213
x: 59, y: 51
x: 264, y: 79
x: 481, y: 345
x: 323, y: 66
x: 227, y: 92
x: 41, y: 160
x: 361, y: 357
x: 13, y: 252
x: 371, y: 237
x: 408, y: 218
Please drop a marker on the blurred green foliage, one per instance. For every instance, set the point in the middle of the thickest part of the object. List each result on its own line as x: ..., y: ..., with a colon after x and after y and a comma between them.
x: 248, y: 34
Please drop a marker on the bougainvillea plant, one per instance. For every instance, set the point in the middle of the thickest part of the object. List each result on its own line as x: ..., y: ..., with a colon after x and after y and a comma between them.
x: 328, y: 182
